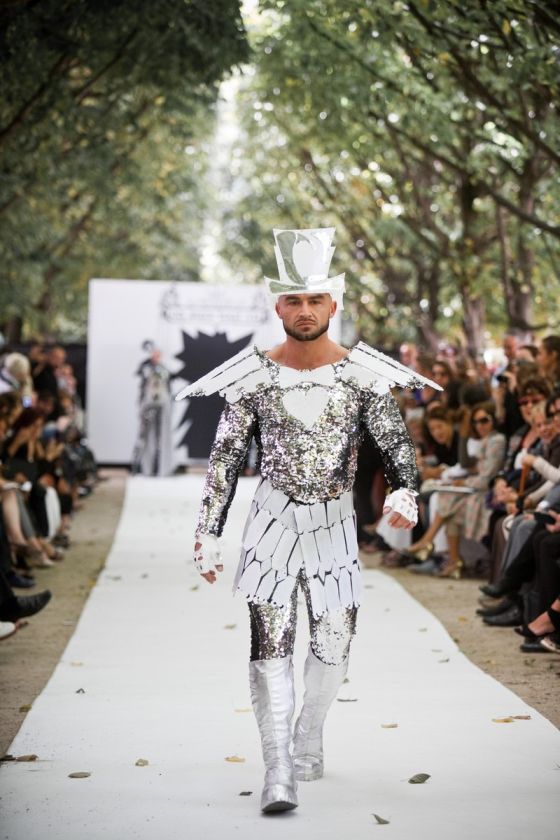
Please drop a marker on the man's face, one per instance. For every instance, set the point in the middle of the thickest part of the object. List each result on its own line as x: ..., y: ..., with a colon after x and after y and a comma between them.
x: 510, y: 347
x: 305, y: 317
x: 57, y: 356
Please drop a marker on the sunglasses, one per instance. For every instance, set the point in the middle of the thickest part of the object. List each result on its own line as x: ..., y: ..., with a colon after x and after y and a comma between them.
x: 530, y: 400
x: 481, y: 421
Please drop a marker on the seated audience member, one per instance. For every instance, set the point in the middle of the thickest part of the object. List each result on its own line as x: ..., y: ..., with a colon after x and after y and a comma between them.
x: 442, y: 373
x: 466, y: 514
x: 15, y: 375
x: 549, y: 360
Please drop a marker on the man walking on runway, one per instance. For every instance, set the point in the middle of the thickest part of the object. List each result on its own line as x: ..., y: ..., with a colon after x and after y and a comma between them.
x: 307, y: 402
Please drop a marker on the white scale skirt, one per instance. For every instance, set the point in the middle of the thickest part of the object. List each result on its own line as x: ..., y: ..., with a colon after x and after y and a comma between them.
x: 282, y: 535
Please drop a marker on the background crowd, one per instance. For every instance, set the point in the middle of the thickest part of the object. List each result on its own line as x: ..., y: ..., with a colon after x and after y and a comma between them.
x: 488, y: 451
x: 45, y: 470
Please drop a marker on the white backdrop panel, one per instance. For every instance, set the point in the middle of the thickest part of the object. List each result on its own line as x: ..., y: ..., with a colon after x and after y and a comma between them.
x: 125, y: 313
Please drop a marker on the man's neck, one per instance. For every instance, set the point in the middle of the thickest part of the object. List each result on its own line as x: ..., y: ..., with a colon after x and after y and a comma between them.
x: 307, y: 355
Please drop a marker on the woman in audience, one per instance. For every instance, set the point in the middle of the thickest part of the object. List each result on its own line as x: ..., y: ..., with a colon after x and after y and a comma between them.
x: 465, y: 513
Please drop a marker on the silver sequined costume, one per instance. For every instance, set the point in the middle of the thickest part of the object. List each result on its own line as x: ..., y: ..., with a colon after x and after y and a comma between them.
x: 308, y: 425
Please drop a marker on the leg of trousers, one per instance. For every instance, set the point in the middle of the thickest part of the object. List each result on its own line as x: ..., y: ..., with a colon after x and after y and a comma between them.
x: 273, y: 629
x: 548, y: 570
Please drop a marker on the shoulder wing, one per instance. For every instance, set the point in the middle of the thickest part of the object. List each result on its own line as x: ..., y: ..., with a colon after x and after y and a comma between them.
x: 371, y: 368
x: 237, y: 376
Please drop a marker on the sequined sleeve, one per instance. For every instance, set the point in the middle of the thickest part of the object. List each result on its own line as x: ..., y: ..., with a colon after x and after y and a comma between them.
x: 382, y: 419
x: 233, y: 437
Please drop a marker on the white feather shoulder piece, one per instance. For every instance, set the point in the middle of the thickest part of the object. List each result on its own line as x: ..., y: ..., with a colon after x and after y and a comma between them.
x: 241, y: 374
x: 369, y: 368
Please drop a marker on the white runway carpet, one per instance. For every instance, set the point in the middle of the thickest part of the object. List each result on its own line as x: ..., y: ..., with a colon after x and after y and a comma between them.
x: 157, y: 670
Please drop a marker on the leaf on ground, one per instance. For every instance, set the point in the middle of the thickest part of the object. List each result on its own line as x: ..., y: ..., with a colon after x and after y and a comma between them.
x: 347, y: 699
x: 79, y: 775
x: 389, y: 725
x: 443, y: 660
x: 503, y: 720
x: 419, y: 778
x: 115, y: 577
x: 142, y: 762
x: 145, y: 575
x: 247, y: 709
x: 369, y: 586
x: 246, y: 793
x: 521, y: 717
x: 437, y: 650
x: 422, y: 629
x: 235, y: 759
x: 195, y: 588
x: 30, y: 757
x: 345, y: 680
x: 380, y: 820
x: 76, y: 664
x: 26, y: 707
x: 80, y: 691
x: 462, y: 618
x: 230, y: 626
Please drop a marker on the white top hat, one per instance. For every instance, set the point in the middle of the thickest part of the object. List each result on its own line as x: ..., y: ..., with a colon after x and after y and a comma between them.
x: 304, y: 258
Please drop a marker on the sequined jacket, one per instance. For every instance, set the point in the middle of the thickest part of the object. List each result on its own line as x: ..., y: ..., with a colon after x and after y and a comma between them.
x: 308, y: 426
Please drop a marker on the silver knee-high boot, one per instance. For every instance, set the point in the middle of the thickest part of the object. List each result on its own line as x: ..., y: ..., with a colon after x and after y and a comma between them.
x: 272, y: 695
x: 321, y: 685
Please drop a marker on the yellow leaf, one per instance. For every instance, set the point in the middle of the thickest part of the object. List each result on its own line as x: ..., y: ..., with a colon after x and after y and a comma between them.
x: 142, y: 762
x: 26, y: 707
x: 31, y: 757
x: 235, y: 759
x: 506, y: 26
x: 389, y: 725
x: 243, y: 710
x: 502, y: 720
x: 79, y: 775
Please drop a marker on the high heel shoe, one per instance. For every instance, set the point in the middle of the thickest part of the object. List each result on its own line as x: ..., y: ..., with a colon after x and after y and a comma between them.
x: 451, y: 570
x: 420, y: 554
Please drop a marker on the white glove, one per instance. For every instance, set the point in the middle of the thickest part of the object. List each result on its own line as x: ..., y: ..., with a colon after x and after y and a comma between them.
x: 403, y: 501
x: 208, y: 555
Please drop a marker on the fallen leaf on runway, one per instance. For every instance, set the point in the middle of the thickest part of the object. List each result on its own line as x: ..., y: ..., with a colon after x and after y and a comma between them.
x: 347, y: 699
x: 422, y: 629
x: 437, y: 650
x: 389, y: 725
x: 235, y: 759
x: 521, y: 717
x: 145, y: 575
x: 142, y: 762
x: 81, y: 691
x: 246, y: 793
x: 369, y: 586
x: 345, y: 680
x: 502, y: 720
x: 114, y: 577
x: 79, y: 775
x: 230, y: 626
x: 194, y: 588
x: 443, y: 660
x: 380, y: 820
x: 462, y: 618
x: 248, y: 709
x: 419, y: 778
x: 76, y: 664
x: 26, y: 707
x: 30, y: 757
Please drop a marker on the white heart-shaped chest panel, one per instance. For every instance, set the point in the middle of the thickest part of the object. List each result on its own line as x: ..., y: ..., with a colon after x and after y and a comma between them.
x: 306, y: 406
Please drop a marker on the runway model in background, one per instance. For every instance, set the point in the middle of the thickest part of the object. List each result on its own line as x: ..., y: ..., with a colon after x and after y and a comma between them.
x: 153, y: 450
x: 307, y: 402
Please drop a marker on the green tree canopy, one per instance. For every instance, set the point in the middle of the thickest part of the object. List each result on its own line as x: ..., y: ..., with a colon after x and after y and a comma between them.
x: 106, y: 110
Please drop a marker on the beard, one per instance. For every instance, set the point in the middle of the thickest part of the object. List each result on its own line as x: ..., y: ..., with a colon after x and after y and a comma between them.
x: 306, y: 336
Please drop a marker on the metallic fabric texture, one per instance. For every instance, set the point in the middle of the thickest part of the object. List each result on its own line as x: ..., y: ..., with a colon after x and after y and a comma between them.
x: 273, y: 629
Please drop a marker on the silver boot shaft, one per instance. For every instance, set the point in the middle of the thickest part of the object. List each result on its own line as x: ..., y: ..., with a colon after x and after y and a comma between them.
x: 272, y: 696
x: 321, y: 686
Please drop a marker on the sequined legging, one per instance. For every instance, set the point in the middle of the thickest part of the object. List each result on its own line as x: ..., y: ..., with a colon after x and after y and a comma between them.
x: 273, y: 629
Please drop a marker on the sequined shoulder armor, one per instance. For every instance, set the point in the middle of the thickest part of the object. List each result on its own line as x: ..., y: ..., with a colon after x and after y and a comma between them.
x: 246, y: 371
